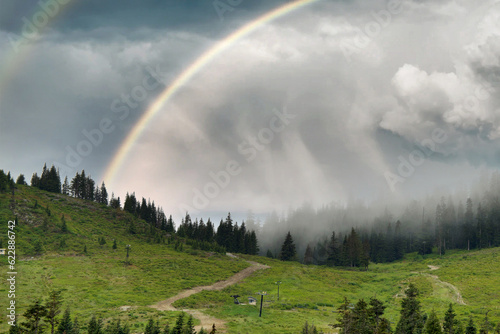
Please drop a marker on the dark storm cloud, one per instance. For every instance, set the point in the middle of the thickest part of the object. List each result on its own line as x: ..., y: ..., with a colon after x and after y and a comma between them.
x: 361, y: 99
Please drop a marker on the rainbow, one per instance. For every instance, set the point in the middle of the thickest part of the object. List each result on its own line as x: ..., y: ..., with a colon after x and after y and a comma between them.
x: 202, y: 61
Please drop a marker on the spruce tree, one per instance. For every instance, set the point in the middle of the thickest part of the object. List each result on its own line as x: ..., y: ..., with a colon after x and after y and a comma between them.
x: 179, y: 324
x: 34, y: 315
x: 95, y: 326
x: 449, y: 321
x: 65, y: 325
x: 308, y: 256
x: 152, y: 327
x: 288, y: 252
x: 21, y: 180
x: 361, y: 320
x: 411, y: 319
x: 53, y: 307
x: 345, y: 321
x: 115, y: 246
x: 76, y: 327
x: 189, y: 327
x: 471, y: 328
x: 432, y: 325
x: 376, y: 311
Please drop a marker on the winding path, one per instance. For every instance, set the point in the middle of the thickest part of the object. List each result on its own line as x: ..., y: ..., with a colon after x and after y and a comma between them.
x: 207, y: 321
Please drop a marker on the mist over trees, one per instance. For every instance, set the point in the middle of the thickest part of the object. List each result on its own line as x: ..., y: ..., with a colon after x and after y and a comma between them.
x: 355, y: 234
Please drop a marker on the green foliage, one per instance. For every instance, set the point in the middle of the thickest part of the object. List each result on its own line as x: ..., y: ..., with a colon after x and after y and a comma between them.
x: 65, y: 325
x: 115, y: 246
x: 189, y: 327
x: 411, y: 319
x: 95, y: 326
x: 152, y: 327
x: 179, y: 324
x: 34, y: 315
x: 53, y: 308
x: 309, y: 329
x: 288, y: 252
x: 471, y: 327
x: 432, y: 325
x: 115, y: 327
x: 450, y: 323
x: 21, y: 180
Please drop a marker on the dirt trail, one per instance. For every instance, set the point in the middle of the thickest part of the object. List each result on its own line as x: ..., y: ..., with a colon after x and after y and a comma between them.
x: 457, y: 295
x: 207, y: 321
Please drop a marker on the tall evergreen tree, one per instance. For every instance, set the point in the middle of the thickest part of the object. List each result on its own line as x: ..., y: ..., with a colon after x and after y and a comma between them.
x: 34, y: 315
x: 432, y: 325
x: 449, y: 321
x: 152, y: 327
x: 65, y: 325
x: 411, y: 319
x: 21, y: 180
x: 471, y: 327
x: 53, y: 307
x: 288, y: 252
x: 308, y: 256
x: 95, y: 326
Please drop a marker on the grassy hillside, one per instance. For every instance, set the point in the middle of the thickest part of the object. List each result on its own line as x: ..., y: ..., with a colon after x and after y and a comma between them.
x: 100, y: 282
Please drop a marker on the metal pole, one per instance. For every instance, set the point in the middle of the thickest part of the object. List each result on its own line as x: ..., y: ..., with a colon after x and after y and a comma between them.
x: 261, y: 302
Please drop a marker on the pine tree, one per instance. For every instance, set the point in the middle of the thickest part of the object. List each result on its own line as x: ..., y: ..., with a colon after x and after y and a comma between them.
x: 53, y: 307
x: 486, y: 326
x: 376, y: 311
x: 104, y: 194
x: 333, y: 251
x: 179, y: 324
x: 95, y: 326
x: 308, y: 256
x: 65, y: 186
x: 345, y: 319
x: 21, y: 180
x: 361, y: 321
x: 64, y: 227
x: 189, y: 327
x: 269, y: 254
x: 288, y: 252
x: 115, y: 246
x: 34, y: 315
x: 449, y: 321
x: 65, y: 325
x: 471, y: 328
x: 152, y: 327
x: 432, y: 325
x: 76, y: 327
x: 411, y: 320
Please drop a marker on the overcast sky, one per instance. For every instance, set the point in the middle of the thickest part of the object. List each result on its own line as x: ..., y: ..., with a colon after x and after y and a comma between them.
x: 334, y: 101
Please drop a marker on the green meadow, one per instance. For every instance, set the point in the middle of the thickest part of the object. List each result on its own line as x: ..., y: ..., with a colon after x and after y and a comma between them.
x: 100, y: 282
